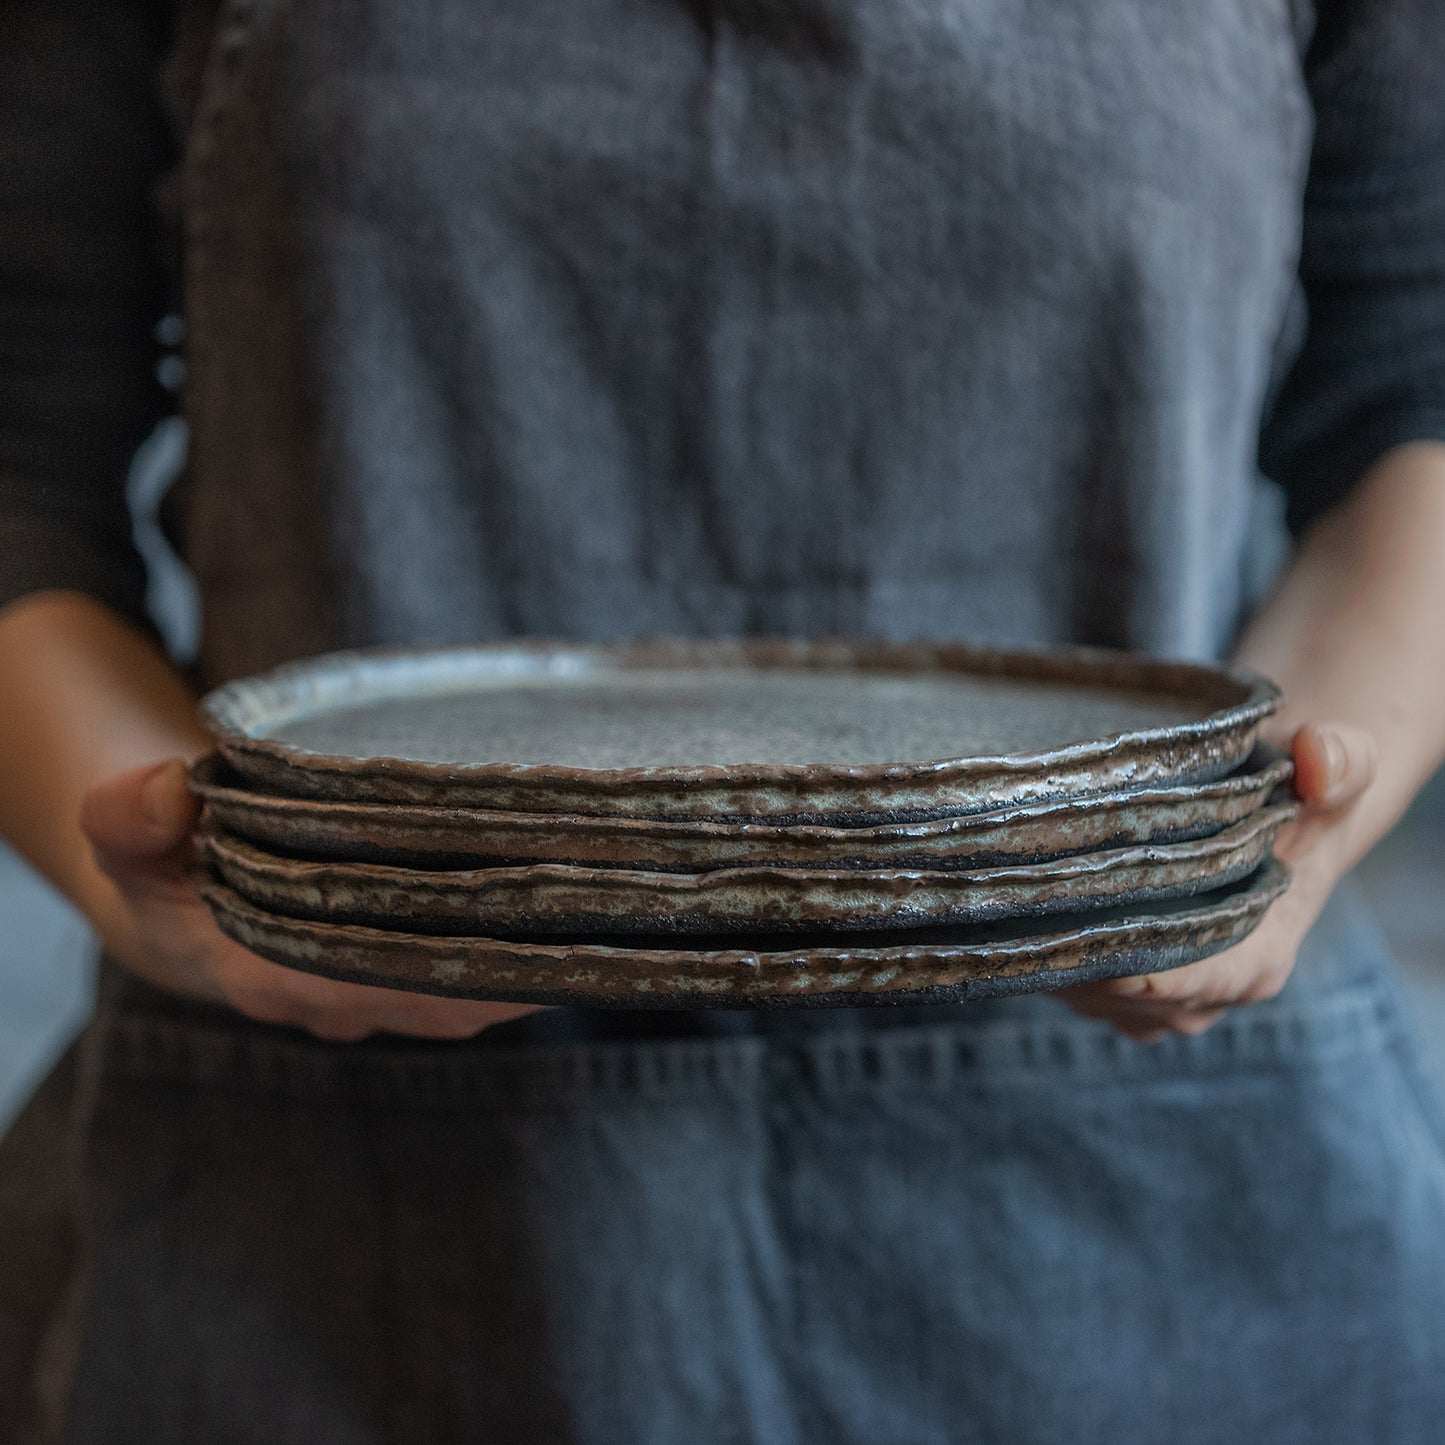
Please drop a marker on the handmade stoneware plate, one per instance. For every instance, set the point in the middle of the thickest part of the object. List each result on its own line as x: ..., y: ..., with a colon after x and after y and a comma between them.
x: 555, y: 898
x: 405, y: 836
x: 784, y: 731
x: 939, y: 966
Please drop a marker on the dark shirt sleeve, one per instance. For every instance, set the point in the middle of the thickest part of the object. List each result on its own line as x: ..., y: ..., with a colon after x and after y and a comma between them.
x: 83, y: 145
x: 1371, y: 374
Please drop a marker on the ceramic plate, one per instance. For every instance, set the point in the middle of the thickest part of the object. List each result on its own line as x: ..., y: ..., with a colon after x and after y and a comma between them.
x: 941, y: 966
x: 787, y: 731
x: 554, y: 898
x: 404, y: 836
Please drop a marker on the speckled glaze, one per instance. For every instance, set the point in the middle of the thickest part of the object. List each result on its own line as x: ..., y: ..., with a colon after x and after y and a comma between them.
x: 402, y: 836
x: 550, y: 899
x: 946, y: 967
x: 1177, y: 722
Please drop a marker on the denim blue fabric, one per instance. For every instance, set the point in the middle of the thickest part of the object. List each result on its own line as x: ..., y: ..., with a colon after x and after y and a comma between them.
x: 824, y: 318
x: 995, y: 1224
x: 1005, y: 1225
x: 1044, y: 269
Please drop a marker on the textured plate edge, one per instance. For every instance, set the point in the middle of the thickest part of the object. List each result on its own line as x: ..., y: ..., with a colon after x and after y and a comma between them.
x: 1274, y: 771
x: 226, y: 710
x: 1244, y: 909
x: 1235, y: 852
x: 1260, y: 824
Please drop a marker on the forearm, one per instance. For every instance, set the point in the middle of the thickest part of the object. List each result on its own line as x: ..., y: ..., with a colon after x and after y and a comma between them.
x: 1356, y: 632
x: 83, y: 695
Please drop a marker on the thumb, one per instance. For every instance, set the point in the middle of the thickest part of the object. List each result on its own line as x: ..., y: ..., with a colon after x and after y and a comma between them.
x: 144, y: 817
x: 1334, y: 763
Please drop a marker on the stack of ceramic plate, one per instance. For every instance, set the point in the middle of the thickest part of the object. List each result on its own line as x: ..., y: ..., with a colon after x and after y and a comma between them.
x: 739, y: 824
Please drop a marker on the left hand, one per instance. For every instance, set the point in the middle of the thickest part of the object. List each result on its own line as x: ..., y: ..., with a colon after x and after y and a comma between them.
x: 139, y: 825
x: 1335, y: 764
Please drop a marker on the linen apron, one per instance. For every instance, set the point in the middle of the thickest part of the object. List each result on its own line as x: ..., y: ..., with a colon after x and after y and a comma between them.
x: 841, y: 316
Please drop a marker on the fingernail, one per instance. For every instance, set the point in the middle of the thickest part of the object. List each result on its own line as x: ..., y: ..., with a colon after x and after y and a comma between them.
x: 1128, y: 987
x: 158, y: 793
x: 1332, y: 745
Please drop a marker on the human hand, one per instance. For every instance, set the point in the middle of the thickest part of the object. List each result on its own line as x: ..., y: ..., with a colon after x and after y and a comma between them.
x: 1335, y: 764
x: 139, y: 825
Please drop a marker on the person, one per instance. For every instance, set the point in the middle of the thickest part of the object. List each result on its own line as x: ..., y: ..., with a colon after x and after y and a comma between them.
x: 865, y: 317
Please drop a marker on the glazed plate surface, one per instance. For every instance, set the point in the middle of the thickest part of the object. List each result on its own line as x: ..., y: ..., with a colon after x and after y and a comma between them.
x: 940, y: 965
x: 786, y: 731
x: 409, y: 836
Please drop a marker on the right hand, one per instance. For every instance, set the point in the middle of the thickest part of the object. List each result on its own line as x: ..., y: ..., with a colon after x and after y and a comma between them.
x: 139, y: 825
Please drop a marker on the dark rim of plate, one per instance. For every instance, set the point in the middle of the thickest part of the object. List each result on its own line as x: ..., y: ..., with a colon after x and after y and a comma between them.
x: 1236, y: 698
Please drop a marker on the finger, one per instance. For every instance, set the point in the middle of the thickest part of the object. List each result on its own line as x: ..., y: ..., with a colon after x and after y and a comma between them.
x: 1194, y: 1021
x: 1250, y: 972
x: 1236, y: 977
x: 1148, y: 1021
x: 348, y: 1026
x: 1157, y: 1024
x: 203, y: 961
x: 1211, y: 983
x: 392, y: 1010
x: 174, y: 942
x: 1206, y: 984
x: 347, y: 1012
x: 1334, y: 763
x: 142, y: 817
x: 1176, y: 987
x: 453, y: 1019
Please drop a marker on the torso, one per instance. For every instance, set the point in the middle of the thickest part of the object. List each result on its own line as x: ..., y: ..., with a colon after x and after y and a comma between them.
x: 837, y: 317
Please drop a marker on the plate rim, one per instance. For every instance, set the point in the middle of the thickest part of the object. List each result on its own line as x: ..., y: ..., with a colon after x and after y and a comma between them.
x: 1244, y: 906
x: 1275, y: 770
x: 1265, y: 822
x: 232, y: 710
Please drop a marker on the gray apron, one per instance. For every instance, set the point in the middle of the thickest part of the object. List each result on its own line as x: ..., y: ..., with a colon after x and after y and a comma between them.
x: 602, y: 319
